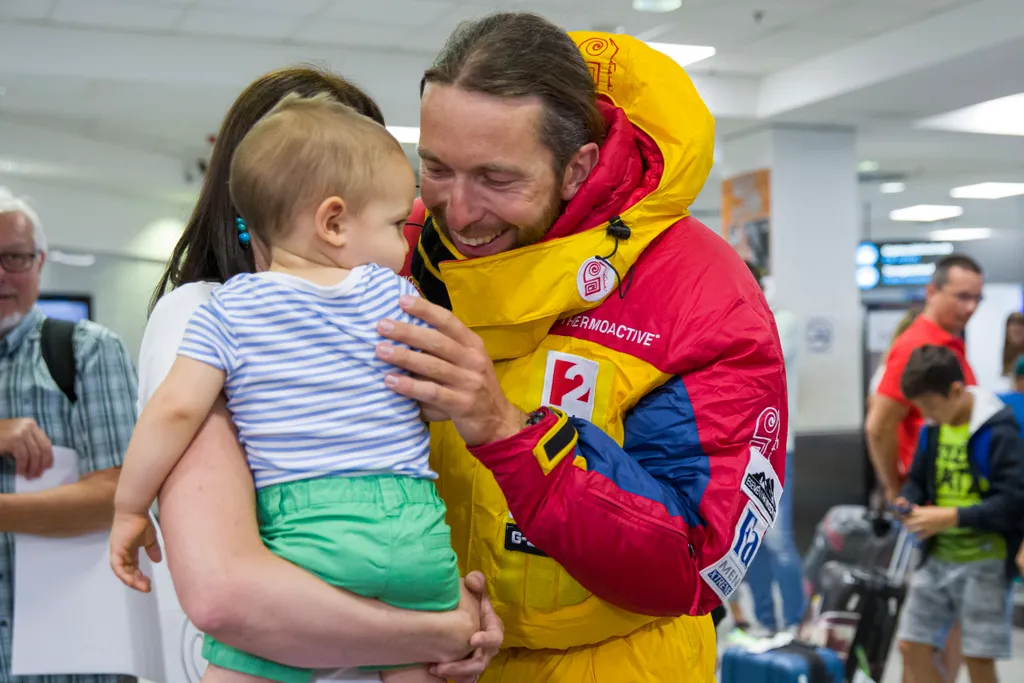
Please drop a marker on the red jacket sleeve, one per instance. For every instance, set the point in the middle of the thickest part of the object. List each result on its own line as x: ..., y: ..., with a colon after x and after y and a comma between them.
x: 667, y: 522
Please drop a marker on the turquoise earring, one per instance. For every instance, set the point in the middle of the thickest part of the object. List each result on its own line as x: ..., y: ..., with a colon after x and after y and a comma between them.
x: 244, y: 238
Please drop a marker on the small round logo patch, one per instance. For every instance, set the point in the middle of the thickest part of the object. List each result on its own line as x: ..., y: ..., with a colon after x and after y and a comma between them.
x: 595, y: 279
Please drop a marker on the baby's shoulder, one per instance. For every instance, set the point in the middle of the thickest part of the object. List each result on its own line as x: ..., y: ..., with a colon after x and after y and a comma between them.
x: 387, y: 280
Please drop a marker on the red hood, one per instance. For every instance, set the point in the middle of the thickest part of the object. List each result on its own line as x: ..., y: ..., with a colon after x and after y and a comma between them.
x: 629, y: 169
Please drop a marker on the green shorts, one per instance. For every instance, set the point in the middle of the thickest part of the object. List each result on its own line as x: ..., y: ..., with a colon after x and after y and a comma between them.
x: 380, y: 537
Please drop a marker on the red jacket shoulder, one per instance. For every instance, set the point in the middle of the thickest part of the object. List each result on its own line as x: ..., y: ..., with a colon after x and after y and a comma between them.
x: 688, y: 298
x: 413, y: 227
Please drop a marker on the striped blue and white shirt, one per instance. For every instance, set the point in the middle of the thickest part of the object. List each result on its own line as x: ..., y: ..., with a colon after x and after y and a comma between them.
x: 303, y: 380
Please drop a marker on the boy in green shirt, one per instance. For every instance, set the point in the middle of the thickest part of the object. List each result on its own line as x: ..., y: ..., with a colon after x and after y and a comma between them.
x: 965, y: 497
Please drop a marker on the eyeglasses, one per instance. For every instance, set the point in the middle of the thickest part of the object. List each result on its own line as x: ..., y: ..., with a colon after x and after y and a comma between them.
x: 966, y: 298
x: 17, y: 262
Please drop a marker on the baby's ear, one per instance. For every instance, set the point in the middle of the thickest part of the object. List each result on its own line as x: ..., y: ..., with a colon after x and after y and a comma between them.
x: 332, y: 217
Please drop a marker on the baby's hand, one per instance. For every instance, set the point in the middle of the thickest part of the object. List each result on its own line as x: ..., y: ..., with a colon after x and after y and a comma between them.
x: 129, y: 533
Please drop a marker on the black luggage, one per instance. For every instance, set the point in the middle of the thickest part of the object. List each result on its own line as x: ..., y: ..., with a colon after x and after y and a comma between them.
x: 857, y: 610
x: 851, y: 534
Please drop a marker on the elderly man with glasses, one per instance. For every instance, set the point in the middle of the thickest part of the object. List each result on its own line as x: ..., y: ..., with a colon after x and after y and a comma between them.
x: 95, y: 417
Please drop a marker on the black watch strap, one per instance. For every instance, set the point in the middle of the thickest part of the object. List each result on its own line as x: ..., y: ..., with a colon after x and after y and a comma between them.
x: 536, y: 417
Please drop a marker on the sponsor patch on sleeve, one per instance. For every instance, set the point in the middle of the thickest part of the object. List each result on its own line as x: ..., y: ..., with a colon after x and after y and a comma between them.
x: 762, y: 486
x: 726, y: 575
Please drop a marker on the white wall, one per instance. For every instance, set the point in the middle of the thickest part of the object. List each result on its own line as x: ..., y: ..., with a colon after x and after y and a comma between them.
x: 815, y: 228
x: 94, y: 196
x: 120, y: 288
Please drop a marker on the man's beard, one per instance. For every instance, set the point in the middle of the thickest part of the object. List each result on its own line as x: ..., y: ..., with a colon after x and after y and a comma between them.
x: 525, y: 236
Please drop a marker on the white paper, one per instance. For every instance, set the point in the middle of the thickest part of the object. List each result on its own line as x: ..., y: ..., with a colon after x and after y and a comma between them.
x: 71, y: 614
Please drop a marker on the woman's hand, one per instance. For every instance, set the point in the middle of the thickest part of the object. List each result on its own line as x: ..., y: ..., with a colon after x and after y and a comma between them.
x: 1020, y: 559
x: 486, y: 642
x: 452, y: 375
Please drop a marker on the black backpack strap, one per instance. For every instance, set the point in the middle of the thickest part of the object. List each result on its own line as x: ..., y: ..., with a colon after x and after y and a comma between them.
x: 58, y: 348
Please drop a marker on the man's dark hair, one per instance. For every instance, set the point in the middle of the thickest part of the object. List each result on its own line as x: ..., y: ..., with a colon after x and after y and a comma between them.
x: 519, y: 54
x: 930, y: 370
x: 756, y: 272
x: 941, y: 275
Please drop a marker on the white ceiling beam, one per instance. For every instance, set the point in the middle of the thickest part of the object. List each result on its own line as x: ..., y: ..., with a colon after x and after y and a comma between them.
x: 221, y: 62
x: 36, y: 152
x: 927, y: 44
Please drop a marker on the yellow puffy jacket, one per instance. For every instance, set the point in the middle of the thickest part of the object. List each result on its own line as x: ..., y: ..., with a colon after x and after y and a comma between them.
x: 609, y: 530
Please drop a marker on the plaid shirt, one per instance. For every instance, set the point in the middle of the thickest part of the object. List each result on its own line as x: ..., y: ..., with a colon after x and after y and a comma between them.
x: 98, y: 426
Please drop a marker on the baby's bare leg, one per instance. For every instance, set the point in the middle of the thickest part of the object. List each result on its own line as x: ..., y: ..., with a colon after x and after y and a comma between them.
x: 416, y: 674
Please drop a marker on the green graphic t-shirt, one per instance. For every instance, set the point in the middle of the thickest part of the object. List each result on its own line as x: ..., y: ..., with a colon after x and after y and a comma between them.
x: 955, y: 487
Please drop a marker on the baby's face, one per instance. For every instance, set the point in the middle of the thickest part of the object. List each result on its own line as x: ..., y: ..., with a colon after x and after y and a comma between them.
x: 376, y: 234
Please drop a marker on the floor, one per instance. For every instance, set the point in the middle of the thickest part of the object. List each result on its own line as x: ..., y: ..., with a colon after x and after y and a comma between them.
x: 1011, y: 671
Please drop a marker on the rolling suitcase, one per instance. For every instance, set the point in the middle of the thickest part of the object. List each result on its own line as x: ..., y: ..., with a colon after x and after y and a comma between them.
x: 857, y: 611
x: 793, y: 663
x: 851, y: 534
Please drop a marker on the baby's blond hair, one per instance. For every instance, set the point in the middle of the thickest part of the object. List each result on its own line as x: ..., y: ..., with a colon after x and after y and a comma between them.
x: 305, y: 150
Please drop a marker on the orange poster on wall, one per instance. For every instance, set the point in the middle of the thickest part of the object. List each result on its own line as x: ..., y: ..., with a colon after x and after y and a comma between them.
x: 746, y: 216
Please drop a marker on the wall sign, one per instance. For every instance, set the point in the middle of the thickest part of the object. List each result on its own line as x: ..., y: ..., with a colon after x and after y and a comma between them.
x: 820, y: 333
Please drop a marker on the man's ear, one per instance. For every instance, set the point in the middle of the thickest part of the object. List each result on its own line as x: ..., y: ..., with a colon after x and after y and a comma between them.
x: 578, y: 169
x: 332, y: 217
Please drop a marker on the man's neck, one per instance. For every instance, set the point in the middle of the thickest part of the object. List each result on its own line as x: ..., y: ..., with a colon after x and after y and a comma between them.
x: 9, y: 322
x: 928, y: 315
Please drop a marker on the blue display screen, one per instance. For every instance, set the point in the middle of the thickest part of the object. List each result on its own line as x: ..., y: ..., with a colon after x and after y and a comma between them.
x: 898, y: 264
x: 65, y: 308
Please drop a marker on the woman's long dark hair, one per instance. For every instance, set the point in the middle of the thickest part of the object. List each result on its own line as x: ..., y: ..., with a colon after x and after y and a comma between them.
x: 1011, y: 352
x: 208, y: 249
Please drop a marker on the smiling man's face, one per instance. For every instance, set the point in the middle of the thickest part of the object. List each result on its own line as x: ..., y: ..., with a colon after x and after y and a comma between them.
x: 19, y: 286
x: 485, y: 176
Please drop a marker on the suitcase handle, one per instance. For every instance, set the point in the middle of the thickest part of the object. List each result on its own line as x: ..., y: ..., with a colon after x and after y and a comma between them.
x: 902, y: 556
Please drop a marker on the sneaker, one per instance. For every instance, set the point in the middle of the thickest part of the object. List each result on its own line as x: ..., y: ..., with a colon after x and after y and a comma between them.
x: 793, y: 630
x: 748, y: 636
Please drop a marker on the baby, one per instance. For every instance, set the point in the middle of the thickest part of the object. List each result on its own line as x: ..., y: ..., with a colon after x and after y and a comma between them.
x: 339, y: 461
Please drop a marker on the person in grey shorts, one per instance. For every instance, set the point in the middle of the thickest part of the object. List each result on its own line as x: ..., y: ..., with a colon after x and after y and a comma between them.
x: 965, y: 497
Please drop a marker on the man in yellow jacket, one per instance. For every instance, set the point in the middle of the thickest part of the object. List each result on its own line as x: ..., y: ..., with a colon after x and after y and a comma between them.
x: 610, y: 391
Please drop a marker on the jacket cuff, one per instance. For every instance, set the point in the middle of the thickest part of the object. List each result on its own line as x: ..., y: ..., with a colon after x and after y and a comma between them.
x: 968, y: 517
x: 549, y: 441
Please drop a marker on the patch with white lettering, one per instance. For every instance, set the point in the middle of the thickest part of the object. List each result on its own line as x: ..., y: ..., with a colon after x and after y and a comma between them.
x: 762, y: 486
x: 516, y: 542
x: 726, y: 575
x: 608, y: 328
